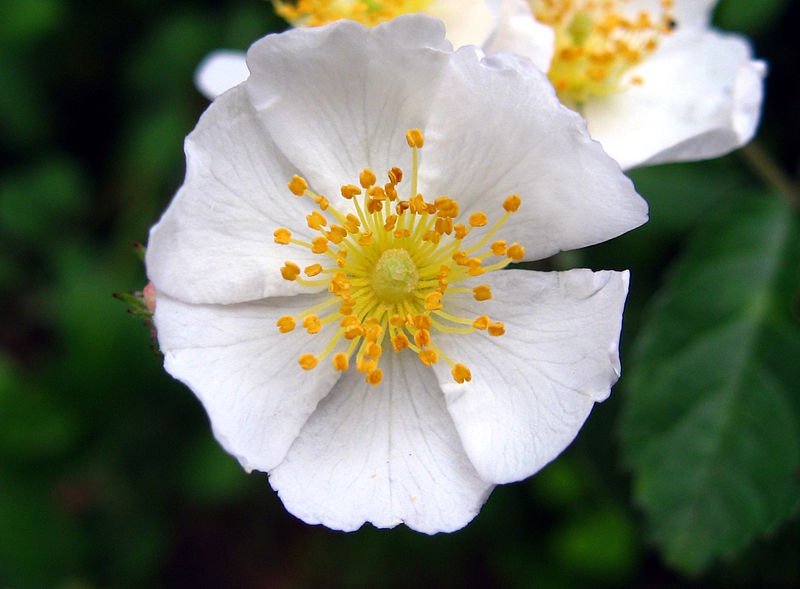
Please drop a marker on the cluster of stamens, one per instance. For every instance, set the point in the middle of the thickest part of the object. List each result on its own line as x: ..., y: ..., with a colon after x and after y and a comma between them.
x: 312, y: 13
x: 389, y: 266
x: 596, y: 43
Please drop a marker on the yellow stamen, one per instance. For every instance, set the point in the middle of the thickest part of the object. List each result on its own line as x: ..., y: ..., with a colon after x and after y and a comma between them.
x: 298, y: 186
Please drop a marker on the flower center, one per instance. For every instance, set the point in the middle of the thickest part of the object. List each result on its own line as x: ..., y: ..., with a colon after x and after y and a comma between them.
x: 395, y: 276
x: 391, y: 266
x: 597, y: 42
x: 313, y: 13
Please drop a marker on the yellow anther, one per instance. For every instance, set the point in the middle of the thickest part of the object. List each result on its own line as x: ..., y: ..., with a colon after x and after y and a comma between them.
x: 481, y: 322
x: 397, y: 320
x: 460, y: 257
x: 512, y: 203
x: 401, y: 233
x: 372, y: 333
x: 353, y: 331
x: 341, y: 261
x: 433, y: 301
x: 499, y: 247
x: 422, y: 338
x: 315, y: 220
x: 374, y: 351
x: 336, y: 234
x: 350, y: 190
x: 516, y: 252
x: 290, y: 270
x: 323, y: 203
x: 298, y: 185
x: 637, y: 80
x: 390, y: 223
x: 312, y: 324
x: 395, y: 175
x: 353, y: 220
x: 400, y: 342
x: 431, y: 236
x: 377, y: 193
x: 374, y: 377
x: 444, y: 271
x: 367, y: 178
x: 282, y: 236
x: 285, y: 324
x: 341, y: 362
x: 366, y: 238
x: 422, y: 321
x: 444, y: 225
x: 460, y: 230
x: 349, y: 320
x: 461, y: 374
x: 482, y: 292
x: 496, y: 328
x: 313, y: 269
x: 391, y: 191
x: 402, y: 206
x: 414, y: 138
x: 307, y: 361
x: 478, y: 219
x: 428, y: 357
x: 373, y: 206
x: 363, y: 365
x: 319, y: 245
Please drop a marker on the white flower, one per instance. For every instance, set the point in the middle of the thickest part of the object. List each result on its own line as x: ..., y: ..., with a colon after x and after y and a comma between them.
x: 468, y: 22
x: 500, y: 368
x: 654, y: 82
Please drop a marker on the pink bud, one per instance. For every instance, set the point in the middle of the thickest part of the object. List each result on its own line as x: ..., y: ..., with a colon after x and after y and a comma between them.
x: 149, y: 294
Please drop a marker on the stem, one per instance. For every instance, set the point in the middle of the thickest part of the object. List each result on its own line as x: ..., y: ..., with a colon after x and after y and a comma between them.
x: 762, y: 164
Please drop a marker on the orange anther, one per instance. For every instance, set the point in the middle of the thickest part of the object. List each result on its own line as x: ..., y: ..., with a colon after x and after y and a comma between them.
x: 298, y: 185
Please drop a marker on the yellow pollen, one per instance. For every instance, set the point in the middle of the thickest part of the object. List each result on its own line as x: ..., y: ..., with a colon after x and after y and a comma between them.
x: 597, y: 42
x: 482, y: 293
x: 307, y: 361
x: 496, y: 328
x: 282, y: 236
x: 414, y: 138
x: 285, y: 324
x: 396, y: 261
x: 367, y: 178
x: 478, y: 219
x: 374, y: 377
x: 313, y: 13
x: 350, y: 191
x: 312, y: 324
x: 341, y: 362
x: 298, y: 186
x: 428, y: 357
x: 461, y: 374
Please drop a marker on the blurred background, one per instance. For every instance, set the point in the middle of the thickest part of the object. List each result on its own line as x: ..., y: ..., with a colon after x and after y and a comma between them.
x: 110, y: 477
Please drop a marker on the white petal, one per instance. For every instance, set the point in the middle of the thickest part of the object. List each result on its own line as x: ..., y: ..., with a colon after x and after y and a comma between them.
x: 468, y: 22
x: 533, y: 387
x: 341, y: 97
x: 245, y: 372
x: 219, y: 72
x: 214, y: 244
x: 385, y: 455
x: 518, y: 32
x: 688, y: 14
x: 496, y: 129
x: 700, y: 98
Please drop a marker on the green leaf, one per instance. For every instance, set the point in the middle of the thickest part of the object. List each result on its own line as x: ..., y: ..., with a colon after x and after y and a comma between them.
x: 711, y: 428
x: 747, y: 16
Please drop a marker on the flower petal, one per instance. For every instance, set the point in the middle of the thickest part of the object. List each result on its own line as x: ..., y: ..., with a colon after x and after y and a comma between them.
x: 700, y: 98
x: 688, y: 14
x: 214, y: 244
x: 385, y: 455
x: 331, y: 126
x: 245, y: 372
x: 219, y: 72
x: 468, y: 22
x: 518, y: 32
x: 533, y: 387
x: 496, y: 129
